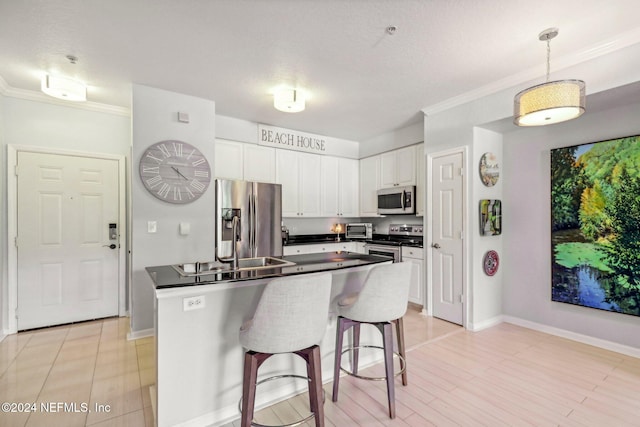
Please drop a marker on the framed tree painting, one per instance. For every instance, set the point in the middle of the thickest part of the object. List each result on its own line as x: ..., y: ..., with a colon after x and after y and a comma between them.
x: 595, y: 225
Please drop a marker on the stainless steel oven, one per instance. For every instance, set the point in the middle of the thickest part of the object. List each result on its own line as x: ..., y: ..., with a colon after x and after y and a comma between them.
x: 393, y: 252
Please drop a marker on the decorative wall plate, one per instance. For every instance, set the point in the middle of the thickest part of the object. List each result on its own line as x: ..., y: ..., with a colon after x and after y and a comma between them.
x: 489, y: 170
x: 490, y: 263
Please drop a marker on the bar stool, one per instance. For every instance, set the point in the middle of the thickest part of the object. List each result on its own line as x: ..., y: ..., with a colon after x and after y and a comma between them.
x: 382, y: 300
x: 291, y: 317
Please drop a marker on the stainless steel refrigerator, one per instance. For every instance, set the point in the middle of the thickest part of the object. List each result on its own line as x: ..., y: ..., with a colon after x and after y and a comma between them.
x: 258, y: 209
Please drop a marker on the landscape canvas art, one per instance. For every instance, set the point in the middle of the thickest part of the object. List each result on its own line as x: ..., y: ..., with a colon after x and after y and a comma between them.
x: 595, y: 225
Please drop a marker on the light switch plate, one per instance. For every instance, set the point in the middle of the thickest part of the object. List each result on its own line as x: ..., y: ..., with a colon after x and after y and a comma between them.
x: 152, y: 226
x: 185, y: 228
x: 183, y: 117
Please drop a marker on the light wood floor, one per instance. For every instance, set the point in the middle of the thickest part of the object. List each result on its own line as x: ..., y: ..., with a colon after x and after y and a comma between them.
x: 503, y: 376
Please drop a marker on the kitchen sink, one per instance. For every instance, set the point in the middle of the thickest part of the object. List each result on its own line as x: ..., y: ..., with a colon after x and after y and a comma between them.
x: 244, y: 264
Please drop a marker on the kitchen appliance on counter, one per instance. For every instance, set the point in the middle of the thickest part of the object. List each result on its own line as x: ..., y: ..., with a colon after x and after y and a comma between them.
x: 390, y: 244
x: 397, y: 200
x: 362, y: 230
x: 248, y: 219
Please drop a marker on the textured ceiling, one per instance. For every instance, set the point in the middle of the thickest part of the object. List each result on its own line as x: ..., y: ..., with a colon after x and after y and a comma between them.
x: 363, y: 82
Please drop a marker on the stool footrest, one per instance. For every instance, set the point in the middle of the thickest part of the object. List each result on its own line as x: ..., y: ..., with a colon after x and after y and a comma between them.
x: 294, y: 423
x: 403, y: 364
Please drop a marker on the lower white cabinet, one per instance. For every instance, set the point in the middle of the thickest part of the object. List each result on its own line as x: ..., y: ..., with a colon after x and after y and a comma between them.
x: 319, y: 247
x: 414, y: 256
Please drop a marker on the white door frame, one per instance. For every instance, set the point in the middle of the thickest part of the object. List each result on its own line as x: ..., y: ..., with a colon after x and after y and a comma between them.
x: 12, y: 226
x: 428, y: 253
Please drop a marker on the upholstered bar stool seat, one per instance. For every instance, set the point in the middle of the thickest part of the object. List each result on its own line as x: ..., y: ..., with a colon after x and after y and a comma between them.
x: 382, y: 300
x: 291, y: 317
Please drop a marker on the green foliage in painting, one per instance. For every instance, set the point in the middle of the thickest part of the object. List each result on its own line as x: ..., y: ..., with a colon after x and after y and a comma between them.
x: 575, y: 254
x: 566, y: 187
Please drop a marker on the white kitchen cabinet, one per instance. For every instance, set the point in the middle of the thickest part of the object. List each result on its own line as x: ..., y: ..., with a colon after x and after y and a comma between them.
x: 339, y: 187
x: 415, y: 257
x: 420, y: 181
x: 369, y: 185
x: 249, y: 162
x: 259, y: 163
x: 359, y: 247
x: 299, y: 175
x: 228, y: 162
x: 398, y: 167
x: 319, y: 247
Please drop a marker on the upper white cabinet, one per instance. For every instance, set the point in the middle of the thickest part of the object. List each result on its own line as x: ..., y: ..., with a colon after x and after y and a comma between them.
x: 421, y: 193
x: 259, y: 163
x: 299, y: 175
x: 229, y: 160
x: 339, y: 187
x: 249, y: 162
x: 369, y: 185
x: 398, y: 167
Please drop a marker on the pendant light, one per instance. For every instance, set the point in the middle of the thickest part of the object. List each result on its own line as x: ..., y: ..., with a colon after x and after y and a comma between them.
x: 550, y: 102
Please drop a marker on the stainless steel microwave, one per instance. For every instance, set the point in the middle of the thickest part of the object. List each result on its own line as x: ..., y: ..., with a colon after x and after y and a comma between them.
x: 360, y: 230
x: 397, y: 200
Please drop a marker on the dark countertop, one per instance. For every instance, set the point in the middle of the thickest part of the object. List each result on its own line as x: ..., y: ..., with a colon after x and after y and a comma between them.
x: 165, y: 276
x: 307, y: 239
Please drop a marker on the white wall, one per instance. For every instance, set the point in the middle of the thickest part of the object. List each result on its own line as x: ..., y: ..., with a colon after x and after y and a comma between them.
x: 527, y: 223
x: 408, y: 135
x: 155, y: 119
x: 456, y: 127
x: 32, y: 123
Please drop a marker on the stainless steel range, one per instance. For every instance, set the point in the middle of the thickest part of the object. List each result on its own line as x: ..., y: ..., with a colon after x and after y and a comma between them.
x: 390, y: 244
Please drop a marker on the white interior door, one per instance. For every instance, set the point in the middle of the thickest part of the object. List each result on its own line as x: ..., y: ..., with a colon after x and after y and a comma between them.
x: 66, y: 270
x: 447, y: 243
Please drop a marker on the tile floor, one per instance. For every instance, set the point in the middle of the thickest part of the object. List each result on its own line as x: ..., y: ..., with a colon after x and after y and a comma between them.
x: 92, y: 363
x: 85, y: 374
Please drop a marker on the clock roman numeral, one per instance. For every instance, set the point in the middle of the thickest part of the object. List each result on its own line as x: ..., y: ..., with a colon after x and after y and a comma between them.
x: 177, y: 195
x: 198, y: 162
x: 197, y: 185
x: 164, y: 190
x: 164, y: 150
x: 150, y: 169
x: 191, y: 154
x: 201, y: 174
x: 189, y: 193
x: 177, y: 148
x: 154, y: 157
x: 152, y: 182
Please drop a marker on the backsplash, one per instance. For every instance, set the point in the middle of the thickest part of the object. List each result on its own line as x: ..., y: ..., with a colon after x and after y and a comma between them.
x: 298, y: 226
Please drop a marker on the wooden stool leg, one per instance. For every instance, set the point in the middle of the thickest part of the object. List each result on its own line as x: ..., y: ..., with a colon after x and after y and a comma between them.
x: 387, y: 343
x: 356, y: 350
x: 401, y: 349
x: 249, y: 388
x: 340, y: 325
x: 315, y: 386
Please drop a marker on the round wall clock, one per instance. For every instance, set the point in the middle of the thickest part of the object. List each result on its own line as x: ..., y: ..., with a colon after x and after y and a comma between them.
x: 490, y: 263
x: 174, y: 171
x: 489, y: 170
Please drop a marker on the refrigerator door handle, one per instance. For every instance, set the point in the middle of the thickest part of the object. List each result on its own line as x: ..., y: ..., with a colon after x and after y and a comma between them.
x: 253, y: 225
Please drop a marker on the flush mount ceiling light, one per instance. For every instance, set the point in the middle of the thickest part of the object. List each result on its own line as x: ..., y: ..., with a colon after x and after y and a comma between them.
x: 64, y: 88
x: 550, y: 102
x: 289, y: 100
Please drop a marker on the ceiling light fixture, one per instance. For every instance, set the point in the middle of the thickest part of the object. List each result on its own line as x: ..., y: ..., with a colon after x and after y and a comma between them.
x: 289, y: 100
x: 550, y: 102
x: 64, y: 88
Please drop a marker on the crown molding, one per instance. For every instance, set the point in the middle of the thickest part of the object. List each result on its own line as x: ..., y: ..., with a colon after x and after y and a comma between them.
x: 608, y: 46
x: 31, y: 95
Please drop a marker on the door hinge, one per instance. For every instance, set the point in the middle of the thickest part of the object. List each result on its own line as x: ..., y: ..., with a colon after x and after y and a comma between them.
x: 461, y: 298
x: 15, y: 240
x: 461, y: 171
x: 462, y: 235
x: 15, y: 170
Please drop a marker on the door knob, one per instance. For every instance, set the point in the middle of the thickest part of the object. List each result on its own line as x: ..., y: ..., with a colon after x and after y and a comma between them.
x: 111, y: 246
x: 435, y: 246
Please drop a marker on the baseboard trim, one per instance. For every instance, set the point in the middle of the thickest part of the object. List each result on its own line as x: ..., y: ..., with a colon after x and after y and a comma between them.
x: 479, y: 326
x: 136, y: 335
x: 585, y: 339
x: 2, y: 336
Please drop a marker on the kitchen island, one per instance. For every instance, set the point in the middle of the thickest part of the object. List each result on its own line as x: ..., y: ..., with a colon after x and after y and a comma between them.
x: 199, y: 359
